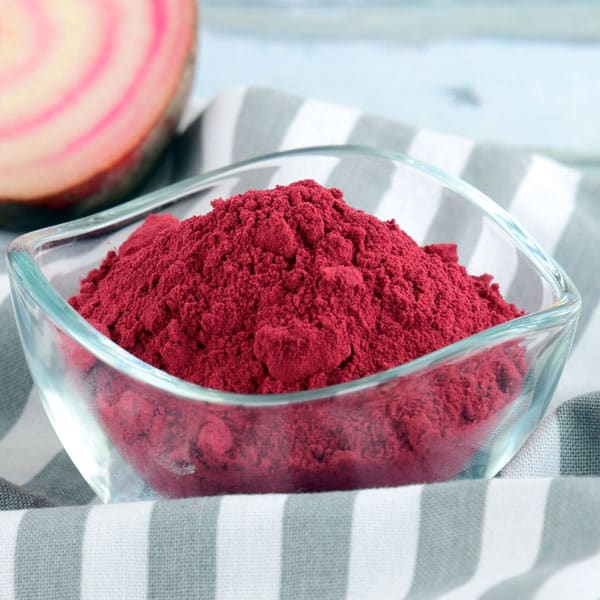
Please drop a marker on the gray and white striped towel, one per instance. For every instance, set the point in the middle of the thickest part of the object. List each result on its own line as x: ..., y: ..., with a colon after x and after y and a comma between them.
x: 533, y: 532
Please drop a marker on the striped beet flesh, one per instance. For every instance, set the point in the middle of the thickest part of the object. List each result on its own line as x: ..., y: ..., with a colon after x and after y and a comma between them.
x: 90, y: 92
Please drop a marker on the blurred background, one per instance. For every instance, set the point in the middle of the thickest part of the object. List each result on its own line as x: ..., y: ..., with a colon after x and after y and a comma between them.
x: 520, y: 72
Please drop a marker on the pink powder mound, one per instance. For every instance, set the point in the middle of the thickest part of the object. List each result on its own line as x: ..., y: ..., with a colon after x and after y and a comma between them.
x: 285, y: 290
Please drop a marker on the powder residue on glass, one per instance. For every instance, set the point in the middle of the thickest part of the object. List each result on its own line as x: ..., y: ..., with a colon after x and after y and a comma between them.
x: 286, y: 290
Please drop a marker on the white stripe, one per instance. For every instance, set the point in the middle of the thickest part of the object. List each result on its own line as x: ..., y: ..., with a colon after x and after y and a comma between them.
x: 32, y: 440
x: 540, y: 456
x: 543, y: 204
x: 545, y: 200
x: 191, y: 112
x: 383, y: 551
x: 319, y: 123
x: 581, y: 371
x: 317, y: 167
x: 114, y: 560
x: 218, y: 128
x: 9, y: 529
x: 494, y: 254
x: 412, y: 199
x: 315, y: 123
x: 445, y: 151
x: 249, y: 535
x: 580, y: 580
x: 512, y: 532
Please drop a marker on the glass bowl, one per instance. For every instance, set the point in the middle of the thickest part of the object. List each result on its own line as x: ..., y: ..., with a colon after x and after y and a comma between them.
x: 463, y: 411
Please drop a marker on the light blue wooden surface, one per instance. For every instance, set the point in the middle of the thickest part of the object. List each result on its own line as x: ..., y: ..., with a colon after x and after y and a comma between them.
x: 524, y: 73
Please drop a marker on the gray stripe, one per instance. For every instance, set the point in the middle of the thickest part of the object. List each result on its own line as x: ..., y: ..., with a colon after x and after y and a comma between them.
x: 370, y: 130
x: 370, y: 180
x: 526, y: 279
x: 14, y: 374
x: 449, y: 537
x: 494, y: 171
x: 455, y: 222
x: 571, y: 533
x: 256, y: 179
x: 255, y: 136
x: 578, y: 250
x: 526, y: 289
x: 579, y: 426
x: 186, y: 151
x: 588, y: 197
x: 182, y: 549
x: 59, y: 482
x: 48, y: 554
x: 159, y: 176
x: 13, y: 498
x: 316, y: 546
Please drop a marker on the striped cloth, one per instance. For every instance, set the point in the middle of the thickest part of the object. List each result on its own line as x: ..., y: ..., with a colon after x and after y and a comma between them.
x: 533, y: 532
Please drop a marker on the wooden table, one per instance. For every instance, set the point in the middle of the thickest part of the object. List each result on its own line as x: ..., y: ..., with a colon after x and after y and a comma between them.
x: 525, y: 73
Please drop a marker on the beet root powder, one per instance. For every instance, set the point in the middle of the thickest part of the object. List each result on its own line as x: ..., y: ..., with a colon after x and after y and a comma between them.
x: 286, y: 290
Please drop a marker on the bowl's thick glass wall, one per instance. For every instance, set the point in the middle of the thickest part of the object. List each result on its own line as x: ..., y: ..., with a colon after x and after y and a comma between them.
x: 134, y: 432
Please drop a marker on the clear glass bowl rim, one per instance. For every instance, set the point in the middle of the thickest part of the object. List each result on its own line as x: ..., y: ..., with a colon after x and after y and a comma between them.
x: 23, y: 268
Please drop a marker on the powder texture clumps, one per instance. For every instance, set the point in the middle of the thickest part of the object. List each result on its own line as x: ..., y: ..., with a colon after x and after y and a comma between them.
x: 284, y: 290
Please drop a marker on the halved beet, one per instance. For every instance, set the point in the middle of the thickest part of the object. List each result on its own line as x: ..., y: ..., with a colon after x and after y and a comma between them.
x: 90, y: 93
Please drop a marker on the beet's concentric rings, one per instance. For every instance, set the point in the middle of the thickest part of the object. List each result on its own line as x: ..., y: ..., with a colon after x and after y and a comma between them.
x: 89, y: 92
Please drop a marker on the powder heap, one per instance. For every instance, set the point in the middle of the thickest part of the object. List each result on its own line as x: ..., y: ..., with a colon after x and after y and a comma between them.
x: 284, y: 290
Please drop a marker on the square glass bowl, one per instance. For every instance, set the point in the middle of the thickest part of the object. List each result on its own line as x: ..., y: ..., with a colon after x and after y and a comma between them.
x: 463, y: 411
